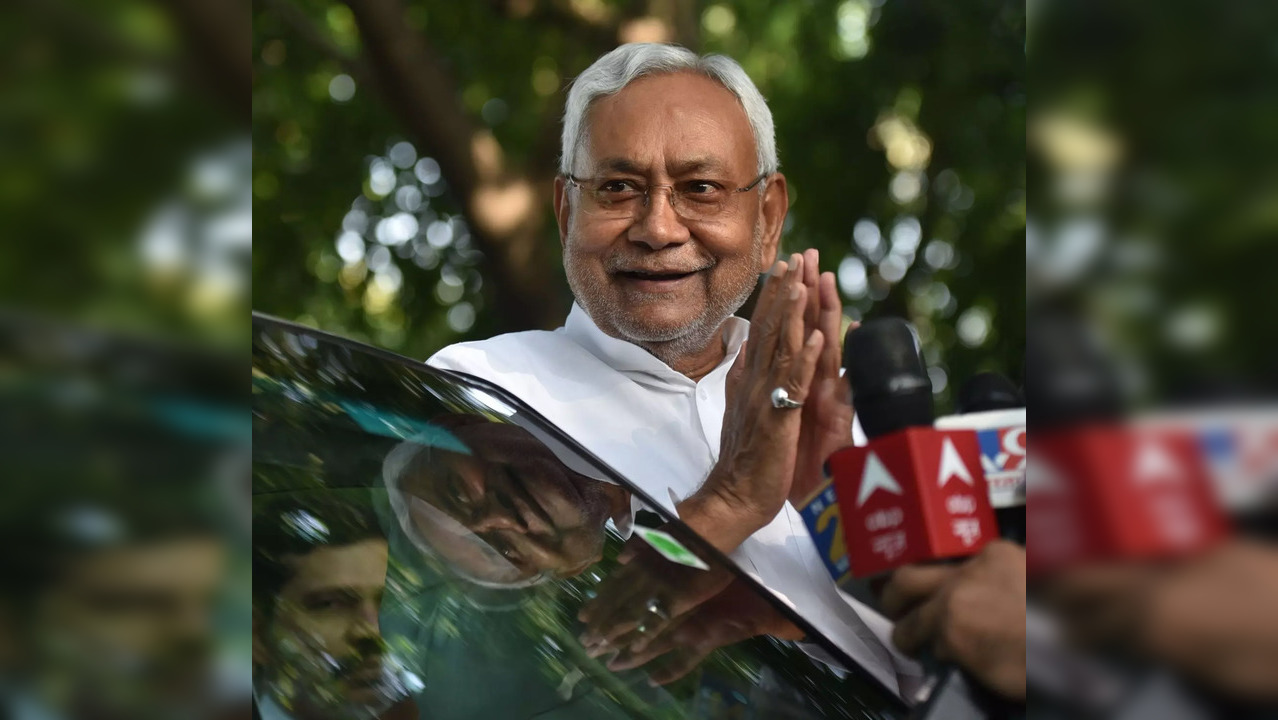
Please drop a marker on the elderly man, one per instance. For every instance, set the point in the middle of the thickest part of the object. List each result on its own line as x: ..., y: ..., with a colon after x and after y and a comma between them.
x: 669, y: 207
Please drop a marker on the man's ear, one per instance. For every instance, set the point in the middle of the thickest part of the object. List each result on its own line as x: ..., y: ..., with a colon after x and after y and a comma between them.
x: 561, y: 208
x: 776, y: 203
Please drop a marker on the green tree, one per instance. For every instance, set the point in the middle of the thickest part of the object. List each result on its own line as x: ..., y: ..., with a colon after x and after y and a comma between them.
x: 122, y: 164
x: 404, y: 154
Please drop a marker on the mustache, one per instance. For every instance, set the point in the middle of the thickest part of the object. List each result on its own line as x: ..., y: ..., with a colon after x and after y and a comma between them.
x: 365, y: 655
x: 649, y: 264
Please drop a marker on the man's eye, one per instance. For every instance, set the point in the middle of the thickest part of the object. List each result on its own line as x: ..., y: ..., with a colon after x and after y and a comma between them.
x: 331, y: 603
x: 458, y: 493
x: 617, y: 187
x: 703, y: 192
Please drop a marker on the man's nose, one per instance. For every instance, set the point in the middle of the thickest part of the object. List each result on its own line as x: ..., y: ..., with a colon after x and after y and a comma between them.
x: 366, y: 623
x: 658, y: 225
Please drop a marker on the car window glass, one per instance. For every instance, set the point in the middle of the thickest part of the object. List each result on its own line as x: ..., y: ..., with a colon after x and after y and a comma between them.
x: 428, y: 547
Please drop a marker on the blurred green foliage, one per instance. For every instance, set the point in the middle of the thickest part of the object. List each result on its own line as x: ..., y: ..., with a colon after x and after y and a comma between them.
x: 1153, y: 188
x: 119, y: 166
x: 378, y: 124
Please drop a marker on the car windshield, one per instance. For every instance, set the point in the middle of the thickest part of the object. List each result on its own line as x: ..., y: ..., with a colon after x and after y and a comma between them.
x: 425, y: 545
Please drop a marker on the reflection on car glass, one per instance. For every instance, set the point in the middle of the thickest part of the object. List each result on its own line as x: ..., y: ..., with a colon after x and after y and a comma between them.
x: 504, y: 513
x: 125, y: 500
x: 319, y: 576
x: 510, y: 584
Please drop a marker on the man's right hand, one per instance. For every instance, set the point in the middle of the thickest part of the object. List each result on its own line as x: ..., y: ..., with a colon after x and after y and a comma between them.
x: 759, y: 444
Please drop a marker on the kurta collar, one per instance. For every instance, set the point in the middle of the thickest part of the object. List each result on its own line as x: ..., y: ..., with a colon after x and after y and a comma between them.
x: 628, y: 358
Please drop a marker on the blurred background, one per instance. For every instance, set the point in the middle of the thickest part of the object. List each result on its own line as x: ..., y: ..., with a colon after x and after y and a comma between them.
x: 123, y: 165
x: 403, y: 155
x: 124, y: 295
x: 1154, y: 202
x: 1151, y: 248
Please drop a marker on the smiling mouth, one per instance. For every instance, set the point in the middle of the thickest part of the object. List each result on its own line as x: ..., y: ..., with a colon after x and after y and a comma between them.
x: 656, y: 275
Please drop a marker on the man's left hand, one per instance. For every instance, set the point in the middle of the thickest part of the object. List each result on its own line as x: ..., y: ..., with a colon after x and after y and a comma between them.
x: 827, y: 413
x: 971, y: 614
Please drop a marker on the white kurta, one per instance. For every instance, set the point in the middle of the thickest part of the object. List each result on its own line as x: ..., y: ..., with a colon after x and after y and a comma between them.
x: 660, y: 429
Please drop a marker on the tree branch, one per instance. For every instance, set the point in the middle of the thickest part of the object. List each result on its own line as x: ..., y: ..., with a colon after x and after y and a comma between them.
x: 418, y: 89
x: 299, y: 23
x: 503, y: 208
x: 220, y: 45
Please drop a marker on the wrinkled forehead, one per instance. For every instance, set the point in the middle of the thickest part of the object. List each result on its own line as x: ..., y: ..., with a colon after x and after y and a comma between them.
x: 671, y: 124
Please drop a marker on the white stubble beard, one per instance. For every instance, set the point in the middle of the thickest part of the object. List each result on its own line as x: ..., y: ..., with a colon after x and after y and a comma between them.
x: 666, y: 345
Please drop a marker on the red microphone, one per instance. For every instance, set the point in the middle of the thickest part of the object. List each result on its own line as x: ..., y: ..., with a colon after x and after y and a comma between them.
x: 914, y: 493
x: 1097, y: 487
x: 911, y: 496
x: 1107, y: 491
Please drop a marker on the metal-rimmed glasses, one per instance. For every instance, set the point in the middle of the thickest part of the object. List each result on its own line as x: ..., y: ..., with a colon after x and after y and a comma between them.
x: 617, y: 198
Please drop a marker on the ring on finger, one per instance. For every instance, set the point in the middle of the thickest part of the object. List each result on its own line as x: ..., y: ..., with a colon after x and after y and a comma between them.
x: 781, y: 400
x: 654, y: 607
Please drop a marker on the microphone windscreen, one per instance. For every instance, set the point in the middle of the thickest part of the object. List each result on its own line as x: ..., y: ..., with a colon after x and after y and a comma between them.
x: 1070, y: 377
x: 890, y: 385
x: 988, y: 391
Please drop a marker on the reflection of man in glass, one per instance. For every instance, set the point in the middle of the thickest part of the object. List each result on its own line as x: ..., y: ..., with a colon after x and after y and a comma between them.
x: 110, y: 614
x: 497, y: 506
x: 319, y: 571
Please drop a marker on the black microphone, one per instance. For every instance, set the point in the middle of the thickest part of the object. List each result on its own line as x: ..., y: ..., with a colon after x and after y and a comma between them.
x: 890, y: 385
x: 1070, y: 378
x: 988, y: 391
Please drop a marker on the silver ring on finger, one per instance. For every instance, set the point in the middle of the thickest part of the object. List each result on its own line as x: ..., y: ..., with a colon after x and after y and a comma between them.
x: 781, y: 400
x: 654, y: 608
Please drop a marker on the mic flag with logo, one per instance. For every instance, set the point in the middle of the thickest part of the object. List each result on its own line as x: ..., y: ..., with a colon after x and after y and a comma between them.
x: 918, y: 495
x: 1105, y: 492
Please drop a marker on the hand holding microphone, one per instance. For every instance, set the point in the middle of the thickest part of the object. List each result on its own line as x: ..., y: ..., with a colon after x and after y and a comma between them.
x: 914, y: 495
x: 971, y: 615
x: 1131, y: 548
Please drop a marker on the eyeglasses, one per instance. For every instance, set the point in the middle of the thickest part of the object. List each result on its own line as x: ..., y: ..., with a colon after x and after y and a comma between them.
x: 615, y: 198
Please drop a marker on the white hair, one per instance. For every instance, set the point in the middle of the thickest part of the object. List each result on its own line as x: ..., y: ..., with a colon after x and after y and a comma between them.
x: 617, y: 69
